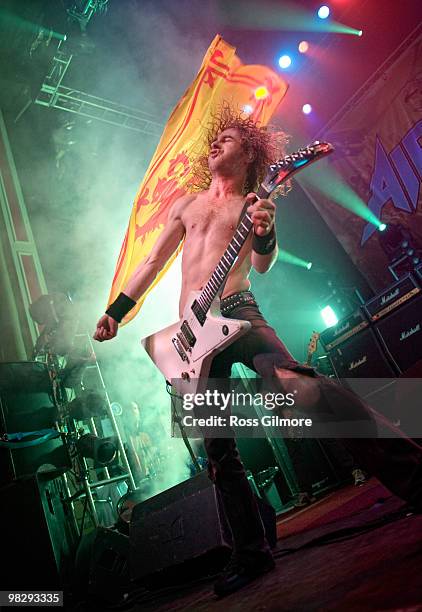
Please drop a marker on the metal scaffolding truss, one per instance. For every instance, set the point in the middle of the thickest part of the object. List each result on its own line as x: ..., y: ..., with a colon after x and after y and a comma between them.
x: 84, y: 104
x: 55, y: 95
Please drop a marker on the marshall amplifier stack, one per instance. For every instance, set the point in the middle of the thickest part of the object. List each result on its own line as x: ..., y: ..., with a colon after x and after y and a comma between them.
x: 383, y: 338
x: 397, y: 315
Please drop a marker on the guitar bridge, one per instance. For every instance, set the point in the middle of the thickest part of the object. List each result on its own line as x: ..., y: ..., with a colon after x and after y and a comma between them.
x: 179, y: 348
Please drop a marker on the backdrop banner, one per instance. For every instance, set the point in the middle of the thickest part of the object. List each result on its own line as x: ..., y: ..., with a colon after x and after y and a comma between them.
x: 378, y: 156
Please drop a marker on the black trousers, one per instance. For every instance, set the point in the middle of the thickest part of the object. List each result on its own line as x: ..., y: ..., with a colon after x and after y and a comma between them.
x: 397, y: 462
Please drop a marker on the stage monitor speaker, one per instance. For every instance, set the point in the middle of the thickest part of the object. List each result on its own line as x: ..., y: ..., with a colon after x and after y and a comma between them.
x: 37, y: 533
x: 182, y: 524
x: 401, y: 334
x: 102, y: 567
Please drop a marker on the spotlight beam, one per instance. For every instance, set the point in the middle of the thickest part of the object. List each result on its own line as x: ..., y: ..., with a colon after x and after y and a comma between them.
x: 287, y: 17
x: 326, y: 181
x: 293, y: 260
x: 28, y: 26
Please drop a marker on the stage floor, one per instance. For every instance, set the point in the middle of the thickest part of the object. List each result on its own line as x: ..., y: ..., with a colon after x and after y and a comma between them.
x: 356, y: 549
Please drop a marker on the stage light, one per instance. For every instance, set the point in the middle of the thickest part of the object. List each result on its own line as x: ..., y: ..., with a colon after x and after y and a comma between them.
x: 306, y: 109
x: 382, y: 227
x: 116, y: 408
x: 261, y: 92
x: 101, y: 450
x: 293, y: 260
x: 303, y: 46
x: 285, y: 61
x: 329, y: 316
x: 323, y: 12
x: 360, y: 32
x: 248, y: 109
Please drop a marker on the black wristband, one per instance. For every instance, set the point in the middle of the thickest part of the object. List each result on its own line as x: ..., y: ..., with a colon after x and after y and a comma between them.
x: 120, y: 307
x: 263, y: 245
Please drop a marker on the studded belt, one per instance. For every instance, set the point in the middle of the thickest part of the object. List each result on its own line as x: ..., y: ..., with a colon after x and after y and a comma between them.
x: 242, y: 297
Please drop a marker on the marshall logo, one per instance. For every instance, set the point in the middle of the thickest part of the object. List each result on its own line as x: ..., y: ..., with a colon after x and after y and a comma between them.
x: 413, y: 330
x: 359, y: 362
x: 394, y: 179
x: 342, y: 329
x: 390, y: 296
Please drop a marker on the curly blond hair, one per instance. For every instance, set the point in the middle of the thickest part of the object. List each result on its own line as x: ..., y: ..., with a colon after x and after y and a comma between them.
x: 265, y: 144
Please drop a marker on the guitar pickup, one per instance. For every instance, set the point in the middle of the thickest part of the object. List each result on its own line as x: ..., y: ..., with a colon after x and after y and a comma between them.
x: 188, y: 334
x: 199, y: 312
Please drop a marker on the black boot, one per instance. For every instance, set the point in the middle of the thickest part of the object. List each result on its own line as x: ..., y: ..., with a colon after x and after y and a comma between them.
x: 240, y: 571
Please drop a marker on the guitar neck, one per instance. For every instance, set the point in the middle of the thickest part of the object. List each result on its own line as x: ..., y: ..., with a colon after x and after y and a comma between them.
x: 226, y: 263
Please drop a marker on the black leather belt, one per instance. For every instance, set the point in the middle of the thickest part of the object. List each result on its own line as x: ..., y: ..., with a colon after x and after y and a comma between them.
x: 242, y: 297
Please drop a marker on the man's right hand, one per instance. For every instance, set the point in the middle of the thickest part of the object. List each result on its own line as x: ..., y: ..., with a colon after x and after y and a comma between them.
x: 106, y: 329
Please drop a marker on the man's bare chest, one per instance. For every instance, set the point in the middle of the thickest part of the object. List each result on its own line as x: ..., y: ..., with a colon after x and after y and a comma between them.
x: 208, y: 217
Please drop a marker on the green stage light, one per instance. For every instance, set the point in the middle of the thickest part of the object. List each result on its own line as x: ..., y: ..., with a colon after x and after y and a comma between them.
x: 325, y: 180
x: 382, y: 227
x: 329, y: 316
x: 293, y: 260
x: 12, y: 19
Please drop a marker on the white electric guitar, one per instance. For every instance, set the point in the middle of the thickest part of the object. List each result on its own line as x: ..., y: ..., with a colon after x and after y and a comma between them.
x: 183, y: 352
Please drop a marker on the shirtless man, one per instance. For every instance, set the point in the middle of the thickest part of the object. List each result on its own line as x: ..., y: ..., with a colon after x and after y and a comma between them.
x: 207, y: 222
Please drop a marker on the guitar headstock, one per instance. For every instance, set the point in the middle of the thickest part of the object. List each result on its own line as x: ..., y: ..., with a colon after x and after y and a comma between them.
x: 313, y: 343
x: 283, y: 169
x: 312, y: 346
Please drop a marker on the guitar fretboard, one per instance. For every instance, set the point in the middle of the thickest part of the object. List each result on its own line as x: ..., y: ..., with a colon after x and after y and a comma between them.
x: 227, y: 260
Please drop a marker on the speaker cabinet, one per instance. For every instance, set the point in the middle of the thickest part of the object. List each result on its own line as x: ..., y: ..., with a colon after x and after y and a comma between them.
x: 38, y: 534
x: 184, y: 522
x: 185, y: 525
x: 401, y: 334
x: 361, y: 356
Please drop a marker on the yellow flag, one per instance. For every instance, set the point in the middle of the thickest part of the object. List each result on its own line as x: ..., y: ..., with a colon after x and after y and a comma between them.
x: 221, y: 78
